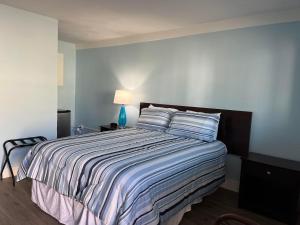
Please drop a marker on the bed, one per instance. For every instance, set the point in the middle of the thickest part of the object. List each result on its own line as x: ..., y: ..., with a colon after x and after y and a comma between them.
x: 131, y: 176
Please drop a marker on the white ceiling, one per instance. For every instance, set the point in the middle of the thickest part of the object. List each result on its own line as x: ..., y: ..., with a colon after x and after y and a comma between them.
x: 88, y: 21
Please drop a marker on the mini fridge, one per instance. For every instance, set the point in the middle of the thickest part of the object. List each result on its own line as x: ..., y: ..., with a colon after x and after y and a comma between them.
x: 63, y: 123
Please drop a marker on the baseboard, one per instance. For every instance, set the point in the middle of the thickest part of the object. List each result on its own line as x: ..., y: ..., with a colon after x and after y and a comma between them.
x: 232, y: 185
x: 6, y: 172
x: 81, y: 129
x: 91, y: 129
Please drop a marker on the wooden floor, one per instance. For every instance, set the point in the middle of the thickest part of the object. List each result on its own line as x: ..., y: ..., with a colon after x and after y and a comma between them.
x: 16, y: 208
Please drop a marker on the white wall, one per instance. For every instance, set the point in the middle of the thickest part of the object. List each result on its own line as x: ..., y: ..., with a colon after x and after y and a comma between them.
x: 28, y: 90
x: 66, y: 93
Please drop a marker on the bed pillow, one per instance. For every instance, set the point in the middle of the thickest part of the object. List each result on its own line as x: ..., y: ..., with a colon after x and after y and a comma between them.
x: 154, y: 119
x: 217, y: 114
x: 197, y: 125
x: 162, y: 108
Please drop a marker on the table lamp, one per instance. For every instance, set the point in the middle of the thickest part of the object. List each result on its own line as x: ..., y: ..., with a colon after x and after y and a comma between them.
x: 123, y: 98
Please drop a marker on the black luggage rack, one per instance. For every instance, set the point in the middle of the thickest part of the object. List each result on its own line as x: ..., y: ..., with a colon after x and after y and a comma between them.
x: 15, y: 144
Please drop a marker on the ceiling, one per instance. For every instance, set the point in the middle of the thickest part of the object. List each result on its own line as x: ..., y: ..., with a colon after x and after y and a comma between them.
x: 87, y: 21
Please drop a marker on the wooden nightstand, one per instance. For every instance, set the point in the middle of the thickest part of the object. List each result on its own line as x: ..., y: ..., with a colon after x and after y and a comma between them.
x: 270, y: 186
x: 109, y: 127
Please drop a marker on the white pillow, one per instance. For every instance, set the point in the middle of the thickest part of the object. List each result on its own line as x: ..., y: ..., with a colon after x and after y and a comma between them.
x: 215, y: 114
x: 162, y: 108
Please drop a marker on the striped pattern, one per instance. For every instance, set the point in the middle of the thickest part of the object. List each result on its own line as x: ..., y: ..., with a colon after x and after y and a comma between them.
x: 154, y: 119
x: 128, y: 176
x: 202, y: 126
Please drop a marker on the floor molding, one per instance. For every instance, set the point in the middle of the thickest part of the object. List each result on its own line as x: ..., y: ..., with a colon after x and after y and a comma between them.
x: 231, y: 184
x: 6, y: 172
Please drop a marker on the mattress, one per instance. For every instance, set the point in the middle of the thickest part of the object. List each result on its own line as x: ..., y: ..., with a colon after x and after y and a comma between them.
x: 128, y: 176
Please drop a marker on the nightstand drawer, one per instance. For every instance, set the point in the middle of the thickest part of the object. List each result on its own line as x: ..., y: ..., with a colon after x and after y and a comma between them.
x: 271, y: 173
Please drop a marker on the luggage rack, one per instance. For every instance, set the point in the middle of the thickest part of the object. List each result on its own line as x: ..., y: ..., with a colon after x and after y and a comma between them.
x: 14, y: 144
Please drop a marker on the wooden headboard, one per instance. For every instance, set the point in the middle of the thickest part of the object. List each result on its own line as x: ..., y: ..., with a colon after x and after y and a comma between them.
x: 234, y: 126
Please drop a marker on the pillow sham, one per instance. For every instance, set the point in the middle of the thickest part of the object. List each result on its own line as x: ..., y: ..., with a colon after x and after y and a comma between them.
x: 154, y: 119
x: 197, y: 125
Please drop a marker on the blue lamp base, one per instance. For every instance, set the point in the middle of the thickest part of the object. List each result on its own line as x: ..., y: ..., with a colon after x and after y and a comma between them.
x: 122, y: 117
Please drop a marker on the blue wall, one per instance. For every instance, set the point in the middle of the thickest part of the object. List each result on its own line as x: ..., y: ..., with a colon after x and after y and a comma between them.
x: 255, y: 69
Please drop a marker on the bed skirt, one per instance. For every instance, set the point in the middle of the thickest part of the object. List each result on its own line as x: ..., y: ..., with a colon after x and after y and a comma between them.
x: 71, y: 212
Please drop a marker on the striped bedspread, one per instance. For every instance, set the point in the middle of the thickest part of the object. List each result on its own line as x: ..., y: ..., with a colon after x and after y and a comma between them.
x: 128, y: 176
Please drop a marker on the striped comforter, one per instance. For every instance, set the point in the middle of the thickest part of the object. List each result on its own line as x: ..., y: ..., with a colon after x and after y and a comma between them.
x: 128, y: 176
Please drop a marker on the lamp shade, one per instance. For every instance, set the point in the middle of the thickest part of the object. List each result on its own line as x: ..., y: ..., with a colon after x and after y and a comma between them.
x: 122, y: 97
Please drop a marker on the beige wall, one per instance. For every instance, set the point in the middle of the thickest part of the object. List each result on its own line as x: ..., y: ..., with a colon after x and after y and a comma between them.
x: 66, y: 93
x: 28, y: 90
